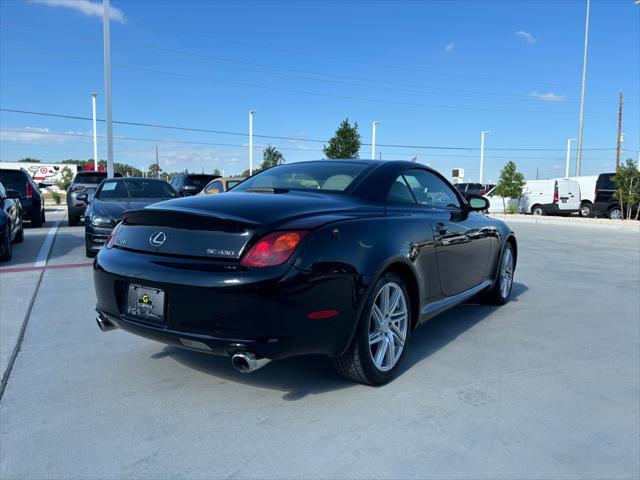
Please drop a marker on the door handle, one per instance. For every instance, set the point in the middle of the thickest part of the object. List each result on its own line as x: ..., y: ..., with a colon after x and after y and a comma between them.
x: 441, y: 228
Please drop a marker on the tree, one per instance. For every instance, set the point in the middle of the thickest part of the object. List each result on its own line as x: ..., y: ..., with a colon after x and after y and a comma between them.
x: 216, y: 171
x: 154, y: 171
x: 271, y: 157
x: 510, y: 183
x: 627, y: 182
x: 29, y: 160
x: 66, y: 177
x: 345, y: 143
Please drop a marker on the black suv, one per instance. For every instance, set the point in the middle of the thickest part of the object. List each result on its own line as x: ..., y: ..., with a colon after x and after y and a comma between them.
x: 467, y: 189
x: 191, y: 183
x: 31, y: 199
x: 605, y: 205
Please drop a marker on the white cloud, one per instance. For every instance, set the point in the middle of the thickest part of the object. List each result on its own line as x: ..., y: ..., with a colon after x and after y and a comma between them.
x: 449, y: 48
x: 549, y: 97
x: 86, y: 7
x: 526, y: 35
x: 31, y: 135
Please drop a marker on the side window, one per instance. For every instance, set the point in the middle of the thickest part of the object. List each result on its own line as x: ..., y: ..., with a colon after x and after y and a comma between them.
x: 400, y: 193
x: 430, y: 190
x: 3, y: 193
x: 215, y: 187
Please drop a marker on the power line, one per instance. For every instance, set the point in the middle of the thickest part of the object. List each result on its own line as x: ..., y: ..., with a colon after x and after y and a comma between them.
x: 227, y: 132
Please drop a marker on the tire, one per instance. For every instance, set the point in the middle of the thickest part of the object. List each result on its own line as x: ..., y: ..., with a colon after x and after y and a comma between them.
x: 366, y: 362
x: 586, y: 210
x: 7, y: 249
x: 499, y: 293
x: 19, y: 238
x: 36, y: 219
x: 74, y: 221
x: 537, y: 210
x: 89, y: 253
x: 615, y: 213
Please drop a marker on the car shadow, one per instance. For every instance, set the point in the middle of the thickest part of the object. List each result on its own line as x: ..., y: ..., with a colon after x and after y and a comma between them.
x: 314, y: 374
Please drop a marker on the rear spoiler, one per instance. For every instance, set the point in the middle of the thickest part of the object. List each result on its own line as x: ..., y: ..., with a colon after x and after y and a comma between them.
x: 186, y: 218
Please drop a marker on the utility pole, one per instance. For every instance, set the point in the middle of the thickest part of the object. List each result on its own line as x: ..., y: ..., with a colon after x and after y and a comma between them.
x: 106, y: 27
x: 619, y: 146
x: 566, y: 170
x: 482, y: 134
x: 584, y: 82
x: 157, y: 164
x: 373, y: 139
x: 251, y: 112
x: 95, y: 134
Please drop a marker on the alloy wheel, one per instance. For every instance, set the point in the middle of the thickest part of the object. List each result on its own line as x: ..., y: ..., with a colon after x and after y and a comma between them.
x: 615, y: 214
x: 506, y: 273
x: 388, y: 325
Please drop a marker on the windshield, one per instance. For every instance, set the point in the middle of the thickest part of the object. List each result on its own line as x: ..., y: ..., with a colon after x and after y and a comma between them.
x: 326, y: 176
x: 138, y: 188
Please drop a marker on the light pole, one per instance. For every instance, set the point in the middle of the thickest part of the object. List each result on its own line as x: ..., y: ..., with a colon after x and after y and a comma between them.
x: 251, y: 112
x: 566, y: 170
x: 95, y: 134
x: 584, y: 81
x: 482, y: 134
x: 106, y: 27
x: 373, y: 139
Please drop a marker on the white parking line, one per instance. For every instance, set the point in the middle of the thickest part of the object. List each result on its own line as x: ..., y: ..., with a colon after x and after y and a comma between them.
x: 43, y: 254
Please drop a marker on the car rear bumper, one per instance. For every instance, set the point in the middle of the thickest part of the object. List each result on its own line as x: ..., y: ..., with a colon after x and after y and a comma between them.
x: 222, y: 308
x: 96, y: 237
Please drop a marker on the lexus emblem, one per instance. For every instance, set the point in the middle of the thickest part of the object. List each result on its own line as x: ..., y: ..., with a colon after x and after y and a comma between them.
x: 157, y: 239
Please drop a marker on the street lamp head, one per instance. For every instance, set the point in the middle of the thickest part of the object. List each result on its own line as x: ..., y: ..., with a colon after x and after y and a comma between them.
x: 251, y: 112
x: 94, y: 94
x: 376, y: 122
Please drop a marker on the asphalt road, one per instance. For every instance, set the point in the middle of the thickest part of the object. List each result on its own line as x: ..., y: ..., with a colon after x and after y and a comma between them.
x: 547, y: 386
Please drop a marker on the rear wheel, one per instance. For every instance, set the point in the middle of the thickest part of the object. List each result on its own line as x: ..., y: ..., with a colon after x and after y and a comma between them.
x: 6, y: 248
x: 74, y: 221
x: 37, y: 218
x: 537, y: 210
x: 615, y: 213
x: 20, y: 235
x: 499, y: 293
x: 586, y: 210
x: 378, y: 346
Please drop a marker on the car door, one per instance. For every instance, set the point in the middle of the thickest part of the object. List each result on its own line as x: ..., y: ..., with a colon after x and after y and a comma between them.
x: 463, y: 239
x: 568, y: 195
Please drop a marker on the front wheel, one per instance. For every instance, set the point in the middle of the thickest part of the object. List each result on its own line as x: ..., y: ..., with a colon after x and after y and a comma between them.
x: 378, y: 346
x: 499, y: 293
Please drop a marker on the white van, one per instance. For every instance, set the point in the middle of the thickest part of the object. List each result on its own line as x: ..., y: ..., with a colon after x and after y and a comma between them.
x: 551, y: 197
x: 587, y: 193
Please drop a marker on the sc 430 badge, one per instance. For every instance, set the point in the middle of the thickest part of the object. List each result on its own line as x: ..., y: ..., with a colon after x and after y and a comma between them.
x: 221, y: 253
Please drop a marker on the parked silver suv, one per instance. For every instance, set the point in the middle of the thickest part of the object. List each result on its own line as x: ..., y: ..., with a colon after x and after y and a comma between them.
x: 84, y: 182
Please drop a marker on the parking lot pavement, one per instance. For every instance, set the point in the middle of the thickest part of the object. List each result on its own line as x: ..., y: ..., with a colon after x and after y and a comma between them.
x: 545, y: 387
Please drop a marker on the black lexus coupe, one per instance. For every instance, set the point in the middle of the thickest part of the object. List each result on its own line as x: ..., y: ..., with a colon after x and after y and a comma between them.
x: 343, y: 258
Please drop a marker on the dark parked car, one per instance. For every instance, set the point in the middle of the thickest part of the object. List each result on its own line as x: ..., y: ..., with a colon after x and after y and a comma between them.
x: 469, y: 189
x: 11, y: 226
x: 605, y: 205
x: 191, y: 183
x: 31, y: 199
x: 343, y: 258
x: 85, y: 182
x: 112, y: 198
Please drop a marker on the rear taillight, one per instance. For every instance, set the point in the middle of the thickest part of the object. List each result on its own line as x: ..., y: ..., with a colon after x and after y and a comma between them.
x: 595, y: 195
x: 273, y: 249
x: 76, y: 188
x: 113, y: 236
x: 555, y: 193
x: 29, y: 190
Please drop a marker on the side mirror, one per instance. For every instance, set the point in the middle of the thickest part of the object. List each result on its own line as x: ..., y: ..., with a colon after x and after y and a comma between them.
x: 83, y: 197
x: 13, y: 194
x: 478, y: 204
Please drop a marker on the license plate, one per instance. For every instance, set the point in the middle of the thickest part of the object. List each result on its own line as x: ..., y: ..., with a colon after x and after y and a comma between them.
x: 564, y: 200
x: 145, y: 303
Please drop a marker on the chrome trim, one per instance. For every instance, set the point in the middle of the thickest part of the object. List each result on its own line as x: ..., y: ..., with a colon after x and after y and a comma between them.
x: 247, y: 362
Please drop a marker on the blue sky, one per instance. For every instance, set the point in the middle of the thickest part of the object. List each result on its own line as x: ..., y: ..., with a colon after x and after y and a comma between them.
x: 434, y: 73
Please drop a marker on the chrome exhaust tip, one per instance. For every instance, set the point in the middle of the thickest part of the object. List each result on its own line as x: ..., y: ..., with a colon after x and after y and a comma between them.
x: 247, y: 362
x: 104, y: 324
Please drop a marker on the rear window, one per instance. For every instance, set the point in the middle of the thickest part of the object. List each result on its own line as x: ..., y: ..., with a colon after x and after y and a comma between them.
x: 327, y: 176
x: 14, y: 180
x: 137, y: 188
x: 604, y: 181
x: 198, y: 180
x: 90, y: 177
